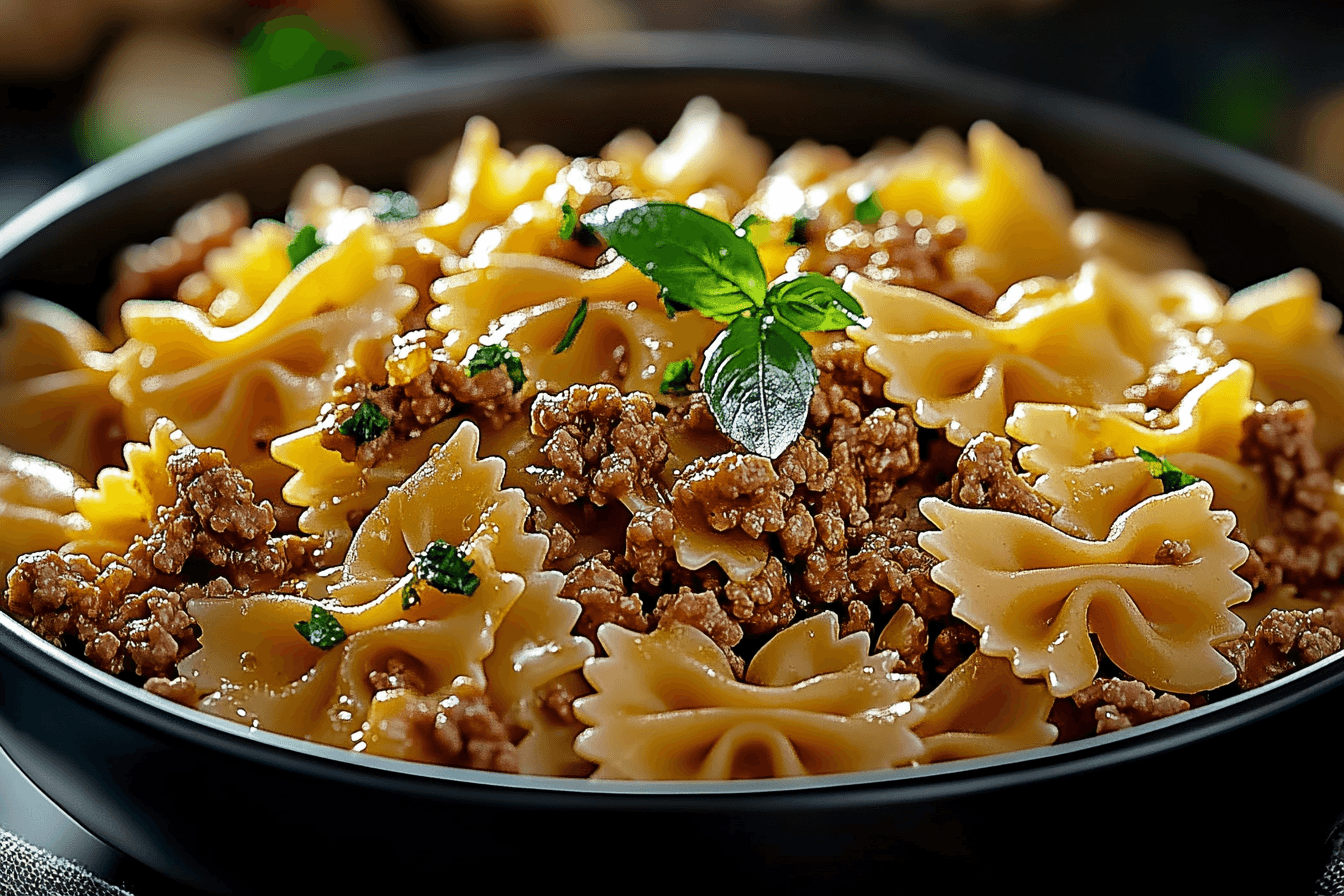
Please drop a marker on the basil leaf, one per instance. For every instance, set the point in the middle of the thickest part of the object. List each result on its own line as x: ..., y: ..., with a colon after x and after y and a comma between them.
x: 365, y: 424
x: 580, y: 315
x: 699, y: 261
x: 812, y: 302
x: 305, y: 243
x: 322, y: 630
x: 1172, y: 477
x: 759, y: 376
x: 393, y: 205
x: 677, y: 377
x: 869, y: 211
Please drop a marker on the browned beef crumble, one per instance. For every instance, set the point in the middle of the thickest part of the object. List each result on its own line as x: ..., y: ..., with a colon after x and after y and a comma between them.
x: 904, y: 250
x: 1116, y: 703
x: 1173, y: 552
x: 1306, y: 549
x: 600, y: 443
x: 442, y: 389
x: 557, y: 697
x: 399, y: 671
x: 986, y: 477
x: 601, y: 591
x: 1284, y: 640
x: 702, y: 610
x: 129, y: 611
x: 471, y: 734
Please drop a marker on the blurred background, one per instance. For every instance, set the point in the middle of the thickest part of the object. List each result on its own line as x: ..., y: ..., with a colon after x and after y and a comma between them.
x: 82, y: 79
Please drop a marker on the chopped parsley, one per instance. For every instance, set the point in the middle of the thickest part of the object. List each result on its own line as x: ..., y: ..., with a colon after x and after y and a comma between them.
x: 869, y: 211
x: 580, y: 315
x: 1173, y: 478
x: 569, y: 219
x: 488, y: 357
x: 677, y: 377
x: 322, y: 630
x: 305, y: 243
x: 393, y: 205
x: 443, y: 566
x: 365, y: 424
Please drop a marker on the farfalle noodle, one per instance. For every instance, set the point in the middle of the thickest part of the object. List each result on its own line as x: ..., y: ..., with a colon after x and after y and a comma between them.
x: 1036, y: 594
x: 668, y: 707
x: 54, y: 376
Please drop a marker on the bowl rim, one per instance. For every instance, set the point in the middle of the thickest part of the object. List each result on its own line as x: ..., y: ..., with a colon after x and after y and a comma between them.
x: 367, y: 96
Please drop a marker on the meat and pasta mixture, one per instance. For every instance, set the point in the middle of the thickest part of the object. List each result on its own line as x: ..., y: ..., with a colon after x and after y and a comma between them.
x: 679, y: 461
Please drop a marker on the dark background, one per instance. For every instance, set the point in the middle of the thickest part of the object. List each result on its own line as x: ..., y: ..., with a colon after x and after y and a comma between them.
x: 80, y: 79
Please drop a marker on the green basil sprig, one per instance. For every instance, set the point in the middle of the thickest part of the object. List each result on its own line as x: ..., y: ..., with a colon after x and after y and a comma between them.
x: 758, y: 373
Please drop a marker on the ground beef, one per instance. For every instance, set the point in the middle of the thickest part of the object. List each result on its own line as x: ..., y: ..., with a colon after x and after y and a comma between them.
x: 562, y: 542
x: 438, y: 388
x: 858, y: 618
x: 905, y: 250
x: 130, y: 612
x: 1173, y: 552
x: 986, y: 477
x: 1117, y: 703
x: 1283, y: 641
x: 847, y: 388
x: 764, y: 603
x: 557, y: 697
x: 59, y: 597
x: 890, y: 566
x: 953, y: 646
x: 1305, y: 549
x: 601, y: 591
x: 600, y: 443
x: 648, y: 544
x: 732, y: 491
x: 399, y: 671
x: 471, y: 734
x: 701, y: 610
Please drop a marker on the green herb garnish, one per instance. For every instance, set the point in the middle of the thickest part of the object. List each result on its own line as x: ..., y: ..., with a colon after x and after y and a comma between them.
x: 290, y: 49
x: 869, y: 211
x: 798, y: 236
x: 365, y: 424
x: 1173, y: 478
x: 322, y: 630
x: 580, y: 315
x: 305, y: 243
x: 393, y: 205
x: 441, y: 566
x: 569, y: 219
x: 488, y: 357
x: 677, y: 377
x: 758, y: 373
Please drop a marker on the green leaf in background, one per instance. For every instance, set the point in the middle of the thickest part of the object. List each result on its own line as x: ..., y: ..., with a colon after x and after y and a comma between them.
x: 813, y: 301
x: 291, y: 49
x: 1173, y: 478
x: 305, y: 243
x: 322, y: 630
x: 393, y: 205
x: 759, y: 376
x: 869, y: 211
x: 580, y: 315
x: 699, y: 261
x: 488, y: 357
x: 677, y: 377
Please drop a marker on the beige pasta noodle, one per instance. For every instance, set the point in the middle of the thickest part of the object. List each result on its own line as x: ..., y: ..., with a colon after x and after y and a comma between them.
x: 55, y: 402
x: 981, y: 709
x: 37, y: 504
x: 668, y: 707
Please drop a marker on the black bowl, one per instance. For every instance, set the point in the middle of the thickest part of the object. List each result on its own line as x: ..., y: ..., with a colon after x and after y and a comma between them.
x: 219, y: 807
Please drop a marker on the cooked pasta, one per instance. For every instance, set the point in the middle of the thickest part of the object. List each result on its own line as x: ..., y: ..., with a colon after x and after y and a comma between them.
x: 680, y: 462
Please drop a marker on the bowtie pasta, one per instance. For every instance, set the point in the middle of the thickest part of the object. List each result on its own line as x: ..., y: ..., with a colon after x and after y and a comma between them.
x: 858, y: 463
